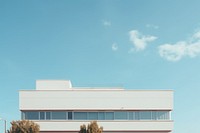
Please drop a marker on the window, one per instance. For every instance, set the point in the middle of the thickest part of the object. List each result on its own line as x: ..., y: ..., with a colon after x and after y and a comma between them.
x: 59, y: 115
x: 32, y: 115
x: 137, y: 115
x: 80, y: 115
x: 101, y: 116
x: 48, y: 115
x: 121, y: 115
x: 162, y: 115
x: 154, y: 115
x: 109, y: 115
x: 69, y: 115
x: 145, y: 115
x: 23, y: 115
x: 42, y: 115
x: 93, y: 116
x: 131, y: 116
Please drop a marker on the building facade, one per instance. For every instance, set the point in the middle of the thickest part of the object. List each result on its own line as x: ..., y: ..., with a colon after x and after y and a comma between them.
x: 60, y: 108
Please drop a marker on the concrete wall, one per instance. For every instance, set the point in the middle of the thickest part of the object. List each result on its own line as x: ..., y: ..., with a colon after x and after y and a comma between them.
x: 109, y: 126
x: 77, y: 99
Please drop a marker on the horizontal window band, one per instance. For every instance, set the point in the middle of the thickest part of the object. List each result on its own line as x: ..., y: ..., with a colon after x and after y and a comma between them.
x: 96, y: 115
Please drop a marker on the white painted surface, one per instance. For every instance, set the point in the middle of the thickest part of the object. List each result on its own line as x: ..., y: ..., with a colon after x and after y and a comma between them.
x: 59, y: 95
x: 53, y: 84
x: 96, y: 100
x: 108, y: 126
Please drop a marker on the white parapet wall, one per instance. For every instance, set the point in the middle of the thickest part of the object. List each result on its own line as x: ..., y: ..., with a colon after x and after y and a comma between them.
x: 96, y: 100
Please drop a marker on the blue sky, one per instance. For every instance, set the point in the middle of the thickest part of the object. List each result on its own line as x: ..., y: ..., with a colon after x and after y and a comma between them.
x: 137, y: 44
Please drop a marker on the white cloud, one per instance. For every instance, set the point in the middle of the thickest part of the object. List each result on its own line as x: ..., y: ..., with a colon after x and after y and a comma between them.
x: 114, y: 47
x: 196, y: 35
x: 139, y: 40
x: 175, y: 52
x: 106, y: 23
x: 152, y: 26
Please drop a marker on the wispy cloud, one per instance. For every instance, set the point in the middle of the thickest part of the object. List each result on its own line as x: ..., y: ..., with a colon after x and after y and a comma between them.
x: 106, y: 23
x: 114, y: 47
x: 152, y: 26
x: 178, y: 50
x: 139, y: 40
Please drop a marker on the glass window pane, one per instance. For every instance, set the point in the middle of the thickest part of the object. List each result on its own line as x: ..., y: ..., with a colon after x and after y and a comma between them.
x: 167, y: 115
x: 23, y: 115
x: 58, y: 115
x: 154, y: 115
x: 109, y: 115
x: 162, y: 115
x: 145, y: 115
x: 132, y: 116
x: 32, y: 115
x: 121, y: 115
x: 101, y: 116
x: 93, y: 116
x: 137, y: 115
x: 80, y: 115
x: 48, y: 115
x: 69, y: 115
x: 42, y: 115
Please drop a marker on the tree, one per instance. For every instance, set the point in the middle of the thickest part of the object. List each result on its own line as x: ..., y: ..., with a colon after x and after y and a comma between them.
x: 24, y: 126
x: 83, y: 129
x: 91, y: 128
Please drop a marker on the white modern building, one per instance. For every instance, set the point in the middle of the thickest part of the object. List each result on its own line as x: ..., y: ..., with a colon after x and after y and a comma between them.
x: 60, y: 108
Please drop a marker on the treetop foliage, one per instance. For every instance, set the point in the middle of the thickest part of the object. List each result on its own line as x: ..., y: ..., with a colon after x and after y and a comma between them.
x: 24, y: 126
x: 91, y: 128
